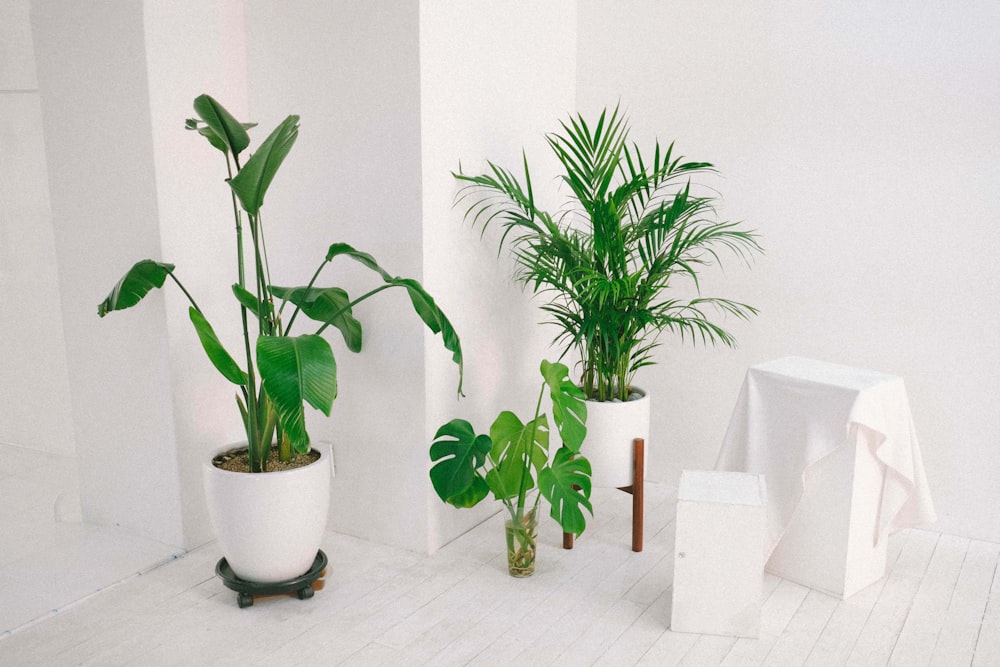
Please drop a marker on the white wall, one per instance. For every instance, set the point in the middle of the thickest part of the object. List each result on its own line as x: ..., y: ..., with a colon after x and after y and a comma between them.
x: 194, y: 47
x: 99, y: 149
x: 34, y: 381
x: 351, y: 70
x: 862, y: 143
x: 861, y: 140
x: 128, y: 182
x: 493, y: 75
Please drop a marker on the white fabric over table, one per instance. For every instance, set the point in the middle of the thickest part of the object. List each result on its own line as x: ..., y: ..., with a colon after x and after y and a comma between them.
x: 793, y: 412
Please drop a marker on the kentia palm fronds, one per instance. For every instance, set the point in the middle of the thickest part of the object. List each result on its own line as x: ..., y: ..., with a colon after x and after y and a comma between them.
x: 607, y: 261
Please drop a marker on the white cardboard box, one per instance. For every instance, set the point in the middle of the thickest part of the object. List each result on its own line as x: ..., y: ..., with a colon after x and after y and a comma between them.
x: 719, y: 553
x: 832, y: 543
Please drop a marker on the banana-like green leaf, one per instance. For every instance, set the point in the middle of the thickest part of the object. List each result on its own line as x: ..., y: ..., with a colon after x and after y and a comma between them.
x: 566, y: 485
x: 423, y: 303
x: 294, y: 371
x: 338, y: 249
x: 221, y: 359
x: 515, y: 443
x: 330, y: 305
x: 221, y: 129
x: 435, y: 319
x: 250, y: 302
x: 251, y: 184
x: 459, y: 452
x: 569, y: 409
x: 143, y: 277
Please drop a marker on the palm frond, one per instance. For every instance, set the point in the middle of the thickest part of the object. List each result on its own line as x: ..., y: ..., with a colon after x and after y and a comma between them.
x: 606, y: 261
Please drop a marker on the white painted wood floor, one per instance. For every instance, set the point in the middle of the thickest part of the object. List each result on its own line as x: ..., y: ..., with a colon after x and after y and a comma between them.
x: 598, y: 604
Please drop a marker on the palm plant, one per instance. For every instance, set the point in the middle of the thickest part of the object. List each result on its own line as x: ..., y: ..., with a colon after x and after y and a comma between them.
x: 281, y: 372
x: 606, y: 261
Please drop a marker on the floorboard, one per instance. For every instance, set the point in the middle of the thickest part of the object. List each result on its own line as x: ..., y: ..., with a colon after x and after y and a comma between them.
x: 597, y: 604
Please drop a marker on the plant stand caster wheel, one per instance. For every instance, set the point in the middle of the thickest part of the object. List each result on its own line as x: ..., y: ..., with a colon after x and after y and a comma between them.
x: 302, y: 586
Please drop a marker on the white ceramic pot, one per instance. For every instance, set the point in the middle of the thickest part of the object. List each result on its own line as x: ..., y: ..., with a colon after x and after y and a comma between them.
x: 611, y: 428
x: 269, y: 525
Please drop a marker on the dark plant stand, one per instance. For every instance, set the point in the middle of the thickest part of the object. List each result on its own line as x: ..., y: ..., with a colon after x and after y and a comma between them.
x: 303, y: 586
x: 636, y: 489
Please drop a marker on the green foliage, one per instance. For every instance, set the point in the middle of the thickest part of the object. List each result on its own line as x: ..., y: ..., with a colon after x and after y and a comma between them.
x: 632, y: 228
x: 467, y: 467
x: 281, y: 373
x: 143, y: 277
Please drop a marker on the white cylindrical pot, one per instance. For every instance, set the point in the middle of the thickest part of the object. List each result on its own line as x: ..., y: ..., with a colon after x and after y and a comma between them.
x: 611, y: 428
x: 269, y: 525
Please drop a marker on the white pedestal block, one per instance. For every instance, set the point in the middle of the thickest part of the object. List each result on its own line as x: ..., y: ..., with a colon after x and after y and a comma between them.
x: 832, y: 542
x: 719, y: 553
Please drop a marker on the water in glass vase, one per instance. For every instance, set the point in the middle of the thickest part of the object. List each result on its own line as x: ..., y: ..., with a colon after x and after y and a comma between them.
x: 521, y: 537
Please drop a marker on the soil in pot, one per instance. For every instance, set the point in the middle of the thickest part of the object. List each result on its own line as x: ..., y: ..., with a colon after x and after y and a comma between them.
x: 238, y: 460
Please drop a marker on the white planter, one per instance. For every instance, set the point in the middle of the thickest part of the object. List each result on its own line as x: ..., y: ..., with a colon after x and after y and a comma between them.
x: 611, y: 428
x: 269, y: 525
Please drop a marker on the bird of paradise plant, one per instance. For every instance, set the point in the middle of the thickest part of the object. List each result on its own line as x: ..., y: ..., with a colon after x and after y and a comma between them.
x: 280, y: 372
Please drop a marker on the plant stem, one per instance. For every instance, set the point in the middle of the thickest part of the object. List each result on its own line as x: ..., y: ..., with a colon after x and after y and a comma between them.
x: 526, y: 472
x: 186, y: 293
x: 351, y: 305
x: 312, y: 281
x: 257, y: 462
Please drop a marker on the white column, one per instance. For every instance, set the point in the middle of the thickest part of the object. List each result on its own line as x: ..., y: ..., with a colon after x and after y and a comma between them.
x: 494, y: 78
x: 127, y: 182
x: 34, y: 381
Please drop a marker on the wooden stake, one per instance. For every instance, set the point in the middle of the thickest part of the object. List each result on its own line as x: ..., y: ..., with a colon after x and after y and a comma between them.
x: 636, y: 489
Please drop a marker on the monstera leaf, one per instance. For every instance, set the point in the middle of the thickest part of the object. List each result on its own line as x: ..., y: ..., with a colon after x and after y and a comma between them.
x: 569, y: 409
x: 459, y: 453
x: 566, y: 485
x: 514, y: 445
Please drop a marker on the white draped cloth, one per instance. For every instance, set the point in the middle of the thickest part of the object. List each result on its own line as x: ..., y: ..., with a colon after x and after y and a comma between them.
x: 793, y: 412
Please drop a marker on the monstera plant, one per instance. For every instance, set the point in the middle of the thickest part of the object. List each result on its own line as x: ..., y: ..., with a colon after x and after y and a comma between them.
x: 468, y: 467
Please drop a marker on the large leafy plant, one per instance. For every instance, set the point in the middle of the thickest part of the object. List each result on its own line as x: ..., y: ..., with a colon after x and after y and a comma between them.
x: 505, y: 462
x: 280, y: 373
x: 630, y: 229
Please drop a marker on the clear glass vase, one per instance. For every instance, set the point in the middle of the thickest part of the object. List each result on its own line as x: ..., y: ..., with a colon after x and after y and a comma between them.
x: 521, y: 539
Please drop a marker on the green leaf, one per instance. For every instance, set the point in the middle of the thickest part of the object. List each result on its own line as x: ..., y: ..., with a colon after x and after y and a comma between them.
x: 329, y: 305
x: 250, y: 302
x: 297, y: 370
x: 222, y: 130
x: 251, y: 184
x: 459, y: 452
x: 436, y: 321
x: 423, y: 303
x: 339, y: 249
x: 566, y: 485
x: 569, y: 409
x: 221, y: 359
x: 143, y: 277
x: 514, y: 445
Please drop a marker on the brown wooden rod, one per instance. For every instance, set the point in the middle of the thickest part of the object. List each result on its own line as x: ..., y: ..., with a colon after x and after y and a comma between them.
x: 636, y: 489
x: 638, y: 486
